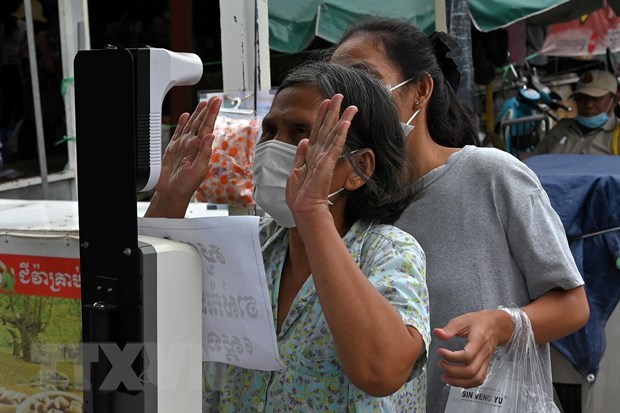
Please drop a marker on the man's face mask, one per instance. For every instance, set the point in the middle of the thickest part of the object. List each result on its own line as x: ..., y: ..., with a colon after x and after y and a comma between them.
x: 406, y: 127
x: 595, y: 122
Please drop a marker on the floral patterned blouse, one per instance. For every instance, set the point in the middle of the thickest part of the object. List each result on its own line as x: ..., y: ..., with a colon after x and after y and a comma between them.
x: 314, y: 380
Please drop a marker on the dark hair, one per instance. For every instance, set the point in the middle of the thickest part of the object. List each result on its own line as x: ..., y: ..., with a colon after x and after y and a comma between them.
x: 416, y: 54
x: 375, y: 126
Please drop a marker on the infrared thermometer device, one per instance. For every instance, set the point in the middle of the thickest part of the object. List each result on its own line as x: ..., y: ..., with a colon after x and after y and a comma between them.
x: 141, y: 298
x: 157, y: 71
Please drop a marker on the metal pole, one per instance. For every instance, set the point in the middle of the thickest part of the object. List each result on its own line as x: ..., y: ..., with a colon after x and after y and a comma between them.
x: 36, y: 98
x: 460, y: 29
x: 73, y: 15
x: 441, y: 24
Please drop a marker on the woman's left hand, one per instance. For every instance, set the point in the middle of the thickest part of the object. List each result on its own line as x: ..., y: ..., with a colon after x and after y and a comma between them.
x: 309, y: 182
x: 484, y: 330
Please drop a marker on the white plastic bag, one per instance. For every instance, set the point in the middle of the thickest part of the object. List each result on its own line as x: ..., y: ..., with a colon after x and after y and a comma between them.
x: 515, y: 383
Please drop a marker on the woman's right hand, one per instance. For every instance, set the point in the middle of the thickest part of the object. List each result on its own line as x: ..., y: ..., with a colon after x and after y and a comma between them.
x: 185, y: 161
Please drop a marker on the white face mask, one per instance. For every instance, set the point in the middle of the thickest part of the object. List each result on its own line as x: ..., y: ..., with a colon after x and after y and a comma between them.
x: 403, y: 83
x: 406, y: 127
x: 273, y: 162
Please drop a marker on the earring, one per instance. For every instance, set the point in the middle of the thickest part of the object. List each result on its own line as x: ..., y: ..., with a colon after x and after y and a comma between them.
x: 417, y: 103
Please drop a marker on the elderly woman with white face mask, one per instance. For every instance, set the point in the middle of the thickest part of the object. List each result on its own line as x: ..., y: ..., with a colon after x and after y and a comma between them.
x: 348, y: 289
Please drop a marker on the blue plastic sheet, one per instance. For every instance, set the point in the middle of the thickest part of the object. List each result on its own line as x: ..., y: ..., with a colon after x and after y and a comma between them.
x: 585, y: 192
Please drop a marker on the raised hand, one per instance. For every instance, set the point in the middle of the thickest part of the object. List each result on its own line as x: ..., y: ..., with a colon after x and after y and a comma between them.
x: 185, y: 161
x: 309, y: 182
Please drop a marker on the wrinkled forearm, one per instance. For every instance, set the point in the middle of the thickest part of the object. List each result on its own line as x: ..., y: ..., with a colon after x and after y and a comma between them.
x: 377, y: 350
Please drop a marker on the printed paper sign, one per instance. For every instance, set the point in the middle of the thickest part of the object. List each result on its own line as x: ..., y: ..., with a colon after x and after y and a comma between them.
x: 238, y: 323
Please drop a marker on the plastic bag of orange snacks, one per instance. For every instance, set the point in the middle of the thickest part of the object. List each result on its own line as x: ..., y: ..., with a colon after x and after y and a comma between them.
x: 229, y: 179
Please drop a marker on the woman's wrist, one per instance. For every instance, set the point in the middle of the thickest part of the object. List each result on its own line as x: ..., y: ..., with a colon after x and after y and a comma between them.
x: 166, y: 206
x: 505, y: 324
x: 310, y: 221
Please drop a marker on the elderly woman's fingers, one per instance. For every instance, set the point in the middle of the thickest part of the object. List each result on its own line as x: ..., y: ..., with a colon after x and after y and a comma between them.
x: 318, y: 122
x: 349, y: 113
x: 331, y: 118
x: 338, y: 134
x: 201, y: 106
x: 203, y: 156
x: 300, y: 155
x: 210, y: 115
x: 180, y: 126
x: 200, y: 126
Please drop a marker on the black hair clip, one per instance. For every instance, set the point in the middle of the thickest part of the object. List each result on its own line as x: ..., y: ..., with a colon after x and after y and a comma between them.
x: 447, y: 50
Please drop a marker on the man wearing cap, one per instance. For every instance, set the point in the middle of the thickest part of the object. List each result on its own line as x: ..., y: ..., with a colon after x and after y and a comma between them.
x: 593, y: 131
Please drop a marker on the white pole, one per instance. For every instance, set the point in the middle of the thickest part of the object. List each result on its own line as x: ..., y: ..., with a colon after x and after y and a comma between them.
x: 74, y: 36
x: 441, y: 23
x: 245, y: 45
x: 36, y: 97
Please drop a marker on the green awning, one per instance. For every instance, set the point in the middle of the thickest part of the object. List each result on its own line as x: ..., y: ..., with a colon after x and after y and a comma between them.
x: 293, y: 24
x: 489, y: 15
x: 572, y: 9
x: 335, y: 15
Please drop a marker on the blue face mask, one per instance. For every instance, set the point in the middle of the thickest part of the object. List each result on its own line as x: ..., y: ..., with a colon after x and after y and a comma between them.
x: 593, y: 122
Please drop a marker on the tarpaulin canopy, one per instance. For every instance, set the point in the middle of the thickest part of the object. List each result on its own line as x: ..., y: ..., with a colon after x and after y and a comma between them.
x: 489, y: 15
x: 572, y: 9
x: 293, y: 24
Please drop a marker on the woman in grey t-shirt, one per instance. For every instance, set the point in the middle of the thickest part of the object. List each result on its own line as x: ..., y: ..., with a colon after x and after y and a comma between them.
x: 486, y: 225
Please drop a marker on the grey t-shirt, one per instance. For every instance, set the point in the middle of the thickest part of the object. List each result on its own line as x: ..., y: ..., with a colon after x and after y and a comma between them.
x: 491, y: 238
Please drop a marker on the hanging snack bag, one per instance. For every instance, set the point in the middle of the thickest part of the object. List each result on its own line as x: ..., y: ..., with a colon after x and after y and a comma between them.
x: 229, y: 179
